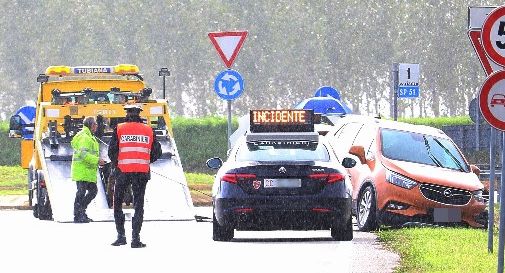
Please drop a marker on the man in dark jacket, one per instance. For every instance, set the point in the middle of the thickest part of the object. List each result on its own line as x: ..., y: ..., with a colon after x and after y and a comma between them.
x: 132, y: 148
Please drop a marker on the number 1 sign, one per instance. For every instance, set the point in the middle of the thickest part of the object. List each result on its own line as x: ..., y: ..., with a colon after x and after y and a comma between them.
x: 408, y: 80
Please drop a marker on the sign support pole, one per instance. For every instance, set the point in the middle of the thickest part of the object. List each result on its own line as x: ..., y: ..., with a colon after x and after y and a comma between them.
x: 229, y: 123
x: 477, y: 129
x: 501, y: 235
x: 395, y: 90
x: 492, y: 165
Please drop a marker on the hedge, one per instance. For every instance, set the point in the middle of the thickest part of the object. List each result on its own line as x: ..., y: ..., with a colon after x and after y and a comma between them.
x: 197, y: 139
x: 200, y: 139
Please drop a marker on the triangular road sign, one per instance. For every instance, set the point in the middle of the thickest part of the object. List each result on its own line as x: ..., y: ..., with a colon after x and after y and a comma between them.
x: 488, y: 65
x: 228, y: 44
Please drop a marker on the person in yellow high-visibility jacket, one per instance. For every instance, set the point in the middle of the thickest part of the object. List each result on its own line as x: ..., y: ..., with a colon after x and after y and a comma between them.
x: 85, y: 161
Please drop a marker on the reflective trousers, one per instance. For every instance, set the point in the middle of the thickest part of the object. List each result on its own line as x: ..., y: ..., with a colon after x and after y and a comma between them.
x: 138, y: 182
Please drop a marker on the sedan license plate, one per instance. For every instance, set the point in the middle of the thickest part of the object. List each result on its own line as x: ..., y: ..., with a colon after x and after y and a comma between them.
x: 282, y: 183
x: 447, y: 215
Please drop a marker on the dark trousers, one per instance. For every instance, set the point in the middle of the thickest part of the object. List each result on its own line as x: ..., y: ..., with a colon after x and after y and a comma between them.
x: 138, y: 181
x: 86, y: 192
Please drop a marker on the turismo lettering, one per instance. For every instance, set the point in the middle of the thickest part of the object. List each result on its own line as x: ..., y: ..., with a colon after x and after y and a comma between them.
x: 91, y: 70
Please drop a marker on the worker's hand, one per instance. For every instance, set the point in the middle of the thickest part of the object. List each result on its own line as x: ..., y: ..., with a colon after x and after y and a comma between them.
x: 101, y: 162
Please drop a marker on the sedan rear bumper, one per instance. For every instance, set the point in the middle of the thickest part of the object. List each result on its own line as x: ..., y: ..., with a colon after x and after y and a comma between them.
x: 289, y: 213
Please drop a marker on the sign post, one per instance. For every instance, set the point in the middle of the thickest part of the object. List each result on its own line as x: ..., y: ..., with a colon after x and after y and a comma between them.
x: 394, y: 87
x: 229, y: 84
x: 492, y: 167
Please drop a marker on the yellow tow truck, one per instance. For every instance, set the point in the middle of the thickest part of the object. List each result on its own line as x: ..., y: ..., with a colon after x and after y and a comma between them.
x: 67, y: 95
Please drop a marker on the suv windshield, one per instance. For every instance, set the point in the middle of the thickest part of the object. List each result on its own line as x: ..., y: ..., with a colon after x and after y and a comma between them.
x: 424, y: 149
x: 275, y: 153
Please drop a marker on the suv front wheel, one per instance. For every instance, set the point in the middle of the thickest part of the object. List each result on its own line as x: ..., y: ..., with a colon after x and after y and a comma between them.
x: 366, y: 209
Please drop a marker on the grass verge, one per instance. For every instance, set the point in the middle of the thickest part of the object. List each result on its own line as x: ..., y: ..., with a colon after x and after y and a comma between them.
x: 13, y: 182
x: 200, y: 186
x: 435, y: 249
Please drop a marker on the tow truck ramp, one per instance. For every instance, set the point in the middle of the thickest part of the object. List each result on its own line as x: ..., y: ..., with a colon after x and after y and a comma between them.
x: 167, y: 196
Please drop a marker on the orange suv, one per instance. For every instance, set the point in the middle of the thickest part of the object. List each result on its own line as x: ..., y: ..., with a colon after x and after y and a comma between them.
x: 407, y: 173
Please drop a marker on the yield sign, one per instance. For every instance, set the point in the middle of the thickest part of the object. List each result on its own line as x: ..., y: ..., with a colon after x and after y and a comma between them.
x: 228, y: 44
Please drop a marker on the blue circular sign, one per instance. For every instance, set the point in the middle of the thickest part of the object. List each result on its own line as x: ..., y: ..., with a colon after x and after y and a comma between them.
x: 229, y: 84
x: 27, y: 119
x: 327, y: 91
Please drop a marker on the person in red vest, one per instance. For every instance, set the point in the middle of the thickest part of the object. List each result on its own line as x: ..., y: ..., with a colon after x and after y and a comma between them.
x: 132, y: 148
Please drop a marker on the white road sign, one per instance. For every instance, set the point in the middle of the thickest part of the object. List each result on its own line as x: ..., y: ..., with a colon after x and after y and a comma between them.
x: 477, y: 16
x: 408, y: 80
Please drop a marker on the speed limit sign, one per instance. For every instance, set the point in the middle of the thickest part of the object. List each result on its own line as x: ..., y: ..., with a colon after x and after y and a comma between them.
x: 493, y: 35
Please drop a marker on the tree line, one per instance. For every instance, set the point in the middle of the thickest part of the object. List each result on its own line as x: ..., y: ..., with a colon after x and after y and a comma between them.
x: 293, y: 47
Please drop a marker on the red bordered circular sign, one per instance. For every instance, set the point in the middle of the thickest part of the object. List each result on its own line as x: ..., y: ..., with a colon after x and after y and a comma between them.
x: 493, y: 35
x: 492, y: 100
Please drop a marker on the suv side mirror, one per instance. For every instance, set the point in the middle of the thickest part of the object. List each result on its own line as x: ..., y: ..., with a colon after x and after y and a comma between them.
x: 475, y: 169
x: 348, y: 163
x: 15, y: 127
x: 359, y: 152
x: 214, y: 163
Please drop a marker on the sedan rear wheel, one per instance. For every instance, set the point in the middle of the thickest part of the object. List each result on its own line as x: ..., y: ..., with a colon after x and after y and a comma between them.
x: 343, y: 232
x: 367, y: 209
x: 220, y: 233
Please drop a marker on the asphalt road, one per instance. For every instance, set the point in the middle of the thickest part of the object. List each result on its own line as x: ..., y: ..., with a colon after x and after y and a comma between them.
x: 30, y: 245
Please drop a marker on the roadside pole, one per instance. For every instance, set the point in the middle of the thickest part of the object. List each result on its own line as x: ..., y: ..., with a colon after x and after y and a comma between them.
x: 229, y: 124
x: 477, y: 129
x: 394, y: 87
x: 501, y: 234
x: 490, y: 226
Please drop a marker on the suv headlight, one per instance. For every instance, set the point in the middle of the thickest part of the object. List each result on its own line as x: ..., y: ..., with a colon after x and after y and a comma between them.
x: 478, y: 196
x: 400, y: 180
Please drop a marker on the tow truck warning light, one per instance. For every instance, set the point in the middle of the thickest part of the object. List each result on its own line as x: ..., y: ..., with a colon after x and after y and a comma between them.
x: 120, y: 69
x: 282, y: 120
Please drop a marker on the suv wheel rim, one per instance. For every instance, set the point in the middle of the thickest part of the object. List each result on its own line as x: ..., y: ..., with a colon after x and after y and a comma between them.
x: 364, y: 207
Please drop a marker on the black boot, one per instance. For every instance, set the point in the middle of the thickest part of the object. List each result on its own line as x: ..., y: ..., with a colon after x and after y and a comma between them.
x: 121, y: 240
x: 85, y: 216
x: 136, y: 243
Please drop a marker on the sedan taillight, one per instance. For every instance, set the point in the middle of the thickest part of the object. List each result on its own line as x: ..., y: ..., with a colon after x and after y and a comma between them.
x: 235, y: 177
x: 330, y: 178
